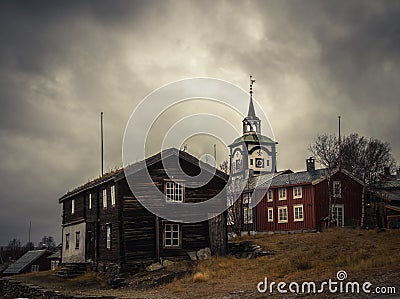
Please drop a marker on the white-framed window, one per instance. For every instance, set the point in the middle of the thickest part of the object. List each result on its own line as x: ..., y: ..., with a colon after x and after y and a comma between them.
x: 90, y: 201
x: 175, y: 192
x: 282, y: 193
x: 247, y: 215
x: 54, y: 264
x: 337, y: 189
x: 105, y: 198
x: 35, y: 268
x: 108, y: 235
x: 172, y: 235
x: 297, y: 192
x: 338, y: 214
x: 77, y: 239
x: 72, y: 206
x: 113, y: 195
x: 270, y: 212
x: 246, y: 198
x: 298, y: 213
x: 230, y: 219
x: 66, y: 241
x: 282, y: 214
x: 270, y: 195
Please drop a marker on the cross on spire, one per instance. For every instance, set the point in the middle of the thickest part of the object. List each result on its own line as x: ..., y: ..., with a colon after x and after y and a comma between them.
x: 252, y: 81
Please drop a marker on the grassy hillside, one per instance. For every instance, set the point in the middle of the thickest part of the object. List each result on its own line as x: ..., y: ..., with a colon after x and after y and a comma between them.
x: 365, y: 256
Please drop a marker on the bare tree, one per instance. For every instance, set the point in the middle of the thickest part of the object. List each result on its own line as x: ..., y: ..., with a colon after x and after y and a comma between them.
x: 47, y: 242
x: 325, y: 149
x: 14, y: 248
x: 365, y: 158
x: 224, y: 166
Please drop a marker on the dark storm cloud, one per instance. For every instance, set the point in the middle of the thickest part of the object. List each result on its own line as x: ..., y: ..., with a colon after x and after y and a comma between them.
x: 62, y: 62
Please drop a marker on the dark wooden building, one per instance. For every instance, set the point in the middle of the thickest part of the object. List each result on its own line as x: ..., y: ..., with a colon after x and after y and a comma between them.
x: 31, y: 261
x: 103, y: 222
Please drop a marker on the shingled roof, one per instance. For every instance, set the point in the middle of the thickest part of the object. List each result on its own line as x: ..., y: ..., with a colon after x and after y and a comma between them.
x: 25, y: 261
x: 131, y: 169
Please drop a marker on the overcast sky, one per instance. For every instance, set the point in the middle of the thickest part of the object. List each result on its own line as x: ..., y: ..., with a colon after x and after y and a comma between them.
x: 62, y: 62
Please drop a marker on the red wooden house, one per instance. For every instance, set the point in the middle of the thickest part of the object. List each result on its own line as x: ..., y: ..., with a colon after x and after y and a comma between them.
x: 300, y: 201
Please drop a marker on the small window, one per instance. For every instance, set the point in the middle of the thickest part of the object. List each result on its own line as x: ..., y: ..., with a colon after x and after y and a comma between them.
x: 297, y: 192
x: 172, y: 237
x: 282, y: 193
x: 90, y: 201
x: 246, y: 198
x: 270, y: 195
x: 105, y: 198
x: 174, y: 191
x: 35, y: 268
x: 73, y: 206
x: 270, y: 214
x: 77, y: 239
x: 282, y: 215
x: 67, y: 241
x: 108, y: 233
x: 113, y: 195
x: 298, y: 213
x: 247, y: 215
x: 251, y: 161
x: 337, y: 189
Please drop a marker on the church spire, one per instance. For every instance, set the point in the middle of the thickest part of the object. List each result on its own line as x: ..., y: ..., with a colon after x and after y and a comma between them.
x: 251, y: 112
x: 251, y: 124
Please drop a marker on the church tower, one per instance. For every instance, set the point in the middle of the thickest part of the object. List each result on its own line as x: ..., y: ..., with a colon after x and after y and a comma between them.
x: 252, y: 152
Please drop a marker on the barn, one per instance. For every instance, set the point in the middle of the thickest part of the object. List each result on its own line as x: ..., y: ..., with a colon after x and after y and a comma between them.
x: 104, y: 225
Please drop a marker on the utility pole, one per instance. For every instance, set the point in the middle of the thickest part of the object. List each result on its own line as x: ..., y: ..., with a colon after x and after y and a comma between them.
x: 102, y: 146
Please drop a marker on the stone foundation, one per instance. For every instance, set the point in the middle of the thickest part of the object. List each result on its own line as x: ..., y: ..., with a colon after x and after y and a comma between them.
x: 10, y: 288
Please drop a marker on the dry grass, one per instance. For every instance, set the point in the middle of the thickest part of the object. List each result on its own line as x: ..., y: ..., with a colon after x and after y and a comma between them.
x: 299, y: 257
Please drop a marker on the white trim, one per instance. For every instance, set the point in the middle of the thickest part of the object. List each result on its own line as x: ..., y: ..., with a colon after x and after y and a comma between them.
x: 270, y: 219
x: 270, y: 195
x: 108, y: 236
x: 113, y: 195
x: 175, y: 235
x: 105, y: 198
x: 90, y: 201
x: 294, y: 213
x: 297, y: 194
x: 284, y: 208
x: 282, y: 194
x: 338, y: 206
x: 73, y: 206
x: 174, y: 191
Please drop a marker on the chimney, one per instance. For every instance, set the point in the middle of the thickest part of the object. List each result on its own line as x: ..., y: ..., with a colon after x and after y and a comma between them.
x: 310, y: 163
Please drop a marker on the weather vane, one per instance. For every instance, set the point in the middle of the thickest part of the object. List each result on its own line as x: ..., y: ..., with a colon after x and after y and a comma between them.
x: 252, y: 81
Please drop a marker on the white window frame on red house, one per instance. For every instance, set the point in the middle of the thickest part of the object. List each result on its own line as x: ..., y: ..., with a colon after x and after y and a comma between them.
x: 270, y: 212
x: 247, y: 215
x: 175, y: 192
x: 282, y: 193
x: 298, y: 211
x: 297, y: 192
x: 280, y: 218
x: 337, y: 189
x: 270, y: 196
